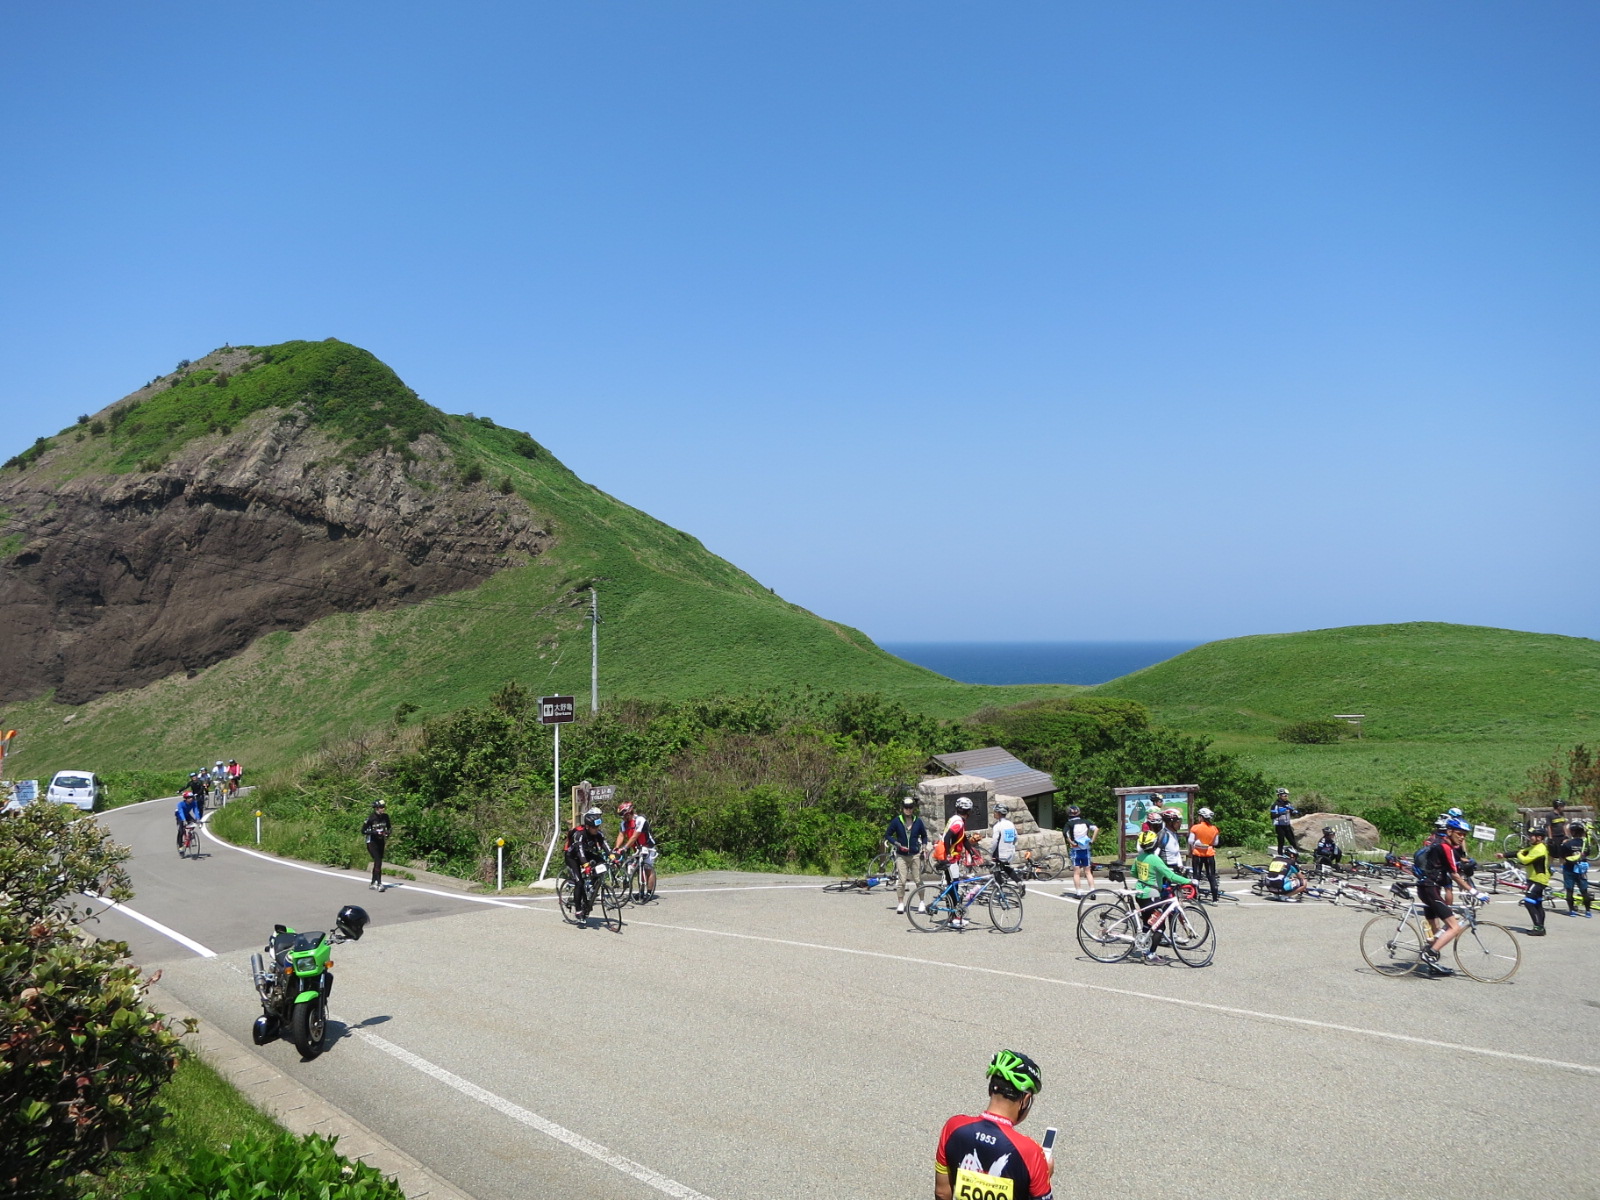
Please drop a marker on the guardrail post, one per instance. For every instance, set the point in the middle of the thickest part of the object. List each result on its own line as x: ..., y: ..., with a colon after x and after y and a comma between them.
x: 258, y: 827
x: 499, y: 863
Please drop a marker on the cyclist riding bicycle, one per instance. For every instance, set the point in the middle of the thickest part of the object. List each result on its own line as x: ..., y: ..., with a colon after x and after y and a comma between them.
x: 585, y: 855
x: 985, y: 1156
x: 634, y: 833
x: 187, y: 813
x: 1153, y: 881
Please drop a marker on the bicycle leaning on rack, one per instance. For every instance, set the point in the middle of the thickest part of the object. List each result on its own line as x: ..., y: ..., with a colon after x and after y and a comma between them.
x: 945, y: 905
x: 1484, y: 950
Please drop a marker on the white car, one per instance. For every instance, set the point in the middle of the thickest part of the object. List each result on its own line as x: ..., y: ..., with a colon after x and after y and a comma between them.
x: 82, y: 788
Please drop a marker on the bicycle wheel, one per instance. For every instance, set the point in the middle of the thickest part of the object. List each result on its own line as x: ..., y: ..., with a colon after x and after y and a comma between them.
x: 564, y: 900
x: 842, y: 885
x: 929, y: 909
x: 1390, y: 948
x: 611, y: 906
x: 1005, y: 906
x: 1193, y: 937
x: 1048, y: 866
x: 1106, y: 932
x: 1488, y: 952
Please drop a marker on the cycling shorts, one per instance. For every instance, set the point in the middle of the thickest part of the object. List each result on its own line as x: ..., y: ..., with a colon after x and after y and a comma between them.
x: 647, y: 856
x: 1080, y: 856
x: 1433, y: 905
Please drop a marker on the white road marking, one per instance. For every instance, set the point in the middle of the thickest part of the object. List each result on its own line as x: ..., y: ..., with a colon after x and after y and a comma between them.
x: 533, y: 1120
x: 181, y: 939
x: 1225, y: 1009
x: 410, y: 887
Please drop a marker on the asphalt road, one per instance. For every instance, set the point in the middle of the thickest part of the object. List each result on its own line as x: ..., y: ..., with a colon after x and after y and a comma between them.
x: 750, y: 1037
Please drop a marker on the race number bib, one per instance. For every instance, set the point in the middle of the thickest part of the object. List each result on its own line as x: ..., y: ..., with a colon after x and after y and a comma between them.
x: 975, y: 1185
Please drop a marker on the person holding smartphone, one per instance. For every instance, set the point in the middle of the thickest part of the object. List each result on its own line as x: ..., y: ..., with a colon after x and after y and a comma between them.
x: 985, y: 1155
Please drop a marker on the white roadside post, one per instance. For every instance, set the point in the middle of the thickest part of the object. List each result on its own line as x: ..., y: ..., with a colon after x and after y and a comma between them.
x: 499, y: 864
x: 557, y: 711
x: 258, y: 827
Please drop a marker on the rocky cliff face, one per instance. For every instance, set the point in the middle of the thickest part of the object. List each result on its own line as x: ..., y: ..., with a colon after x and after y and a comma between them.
x: 110, y: 581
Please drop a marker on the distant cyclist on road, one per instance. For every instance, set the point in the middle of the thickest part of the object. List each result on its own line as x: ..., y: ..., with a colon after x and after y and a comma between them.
x: 585, y: 849
x: 186, y: 814
x: 1153, y: 882
x: 634, y: 833
x: 984, y: 1157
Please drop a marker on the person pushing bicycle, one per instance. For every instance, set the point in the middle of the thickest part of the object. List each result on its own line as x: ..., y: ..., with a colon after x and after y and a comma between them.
x: 1153, y: 881
x: 585, y: 852
x: 1441, y: 867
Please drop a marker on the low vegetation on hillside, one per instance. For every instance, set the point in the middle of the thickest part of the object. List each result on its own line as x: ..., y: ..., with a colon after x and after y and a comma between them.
x: 791, y: 780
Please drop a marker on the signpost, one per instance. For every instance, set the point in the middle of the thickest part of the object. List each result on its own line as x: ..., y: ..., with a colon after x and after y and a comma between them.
x: 557, y: 711
x: 27, y: 790
x: 1483, y: 833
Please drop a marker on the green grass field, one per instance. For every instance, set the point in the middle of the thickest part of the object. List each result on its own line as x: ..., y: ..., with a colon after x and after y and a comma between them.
x: 1468, y: 708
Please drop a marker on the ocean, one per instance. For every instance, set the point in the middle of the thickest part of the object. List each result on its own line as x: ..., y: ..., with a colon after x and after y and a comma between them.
x: 1035, y: 662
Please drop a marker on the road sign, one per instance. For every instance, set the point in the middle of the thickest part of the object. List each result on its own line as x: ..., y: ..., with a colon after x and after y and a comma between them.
x: 602, y: 793
x: 556, y: 710
x: 27, y: 790
x: 1483, y: 833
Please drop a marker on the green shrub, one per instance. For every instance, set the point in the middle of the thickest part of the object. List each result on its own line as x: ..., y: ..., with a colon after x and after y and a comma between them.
x: 83, y: 1058
x: 284, y: 1167
x: 1321, y: 732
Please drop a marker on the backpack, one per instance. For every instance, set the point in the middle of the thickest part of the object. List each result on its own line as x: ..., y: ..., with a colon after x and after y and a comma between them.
x: 939, y: 853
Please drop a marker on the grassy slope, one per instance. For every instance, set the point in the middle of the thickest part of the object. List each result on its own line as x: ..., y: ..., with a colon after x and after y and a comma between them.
x: 677, y: 621
x: 1463, y: 706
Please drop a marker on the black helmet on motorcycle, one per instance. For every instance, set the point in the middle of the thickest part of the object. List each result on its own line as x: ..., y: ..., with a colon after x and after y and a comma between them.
x: 352, y: 921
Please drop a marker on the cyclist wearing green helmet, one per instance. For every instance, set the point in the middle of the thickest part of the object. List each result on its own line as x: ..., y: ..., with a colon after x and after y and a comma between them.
x: 986, y: 1156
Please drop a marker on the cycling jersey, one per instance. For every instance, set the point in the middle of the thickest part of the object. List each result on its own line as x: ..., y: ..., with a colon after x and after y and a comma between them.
x: 635, y: 823
x: 1536, y: 861
x: 1149, y: 873
x: 1283, y: 814
x: 1170, y: 849
x: 187, y: 810
x: 987, y: 1159
x: 1439, y: 864
x: 1080, y: 833
x: 1005, y: 840
x: 1203, y: 839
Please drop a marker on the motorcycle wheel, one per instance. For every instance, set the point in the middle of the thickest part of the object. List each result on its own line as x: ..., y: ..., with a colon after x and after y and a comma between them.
x: 308, y: 1025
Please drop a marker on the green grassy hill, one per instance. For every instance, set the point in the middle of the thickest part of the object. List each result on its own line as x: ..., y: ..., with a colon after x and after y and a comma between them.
x: 1466, y: 707
x: 676, y: 620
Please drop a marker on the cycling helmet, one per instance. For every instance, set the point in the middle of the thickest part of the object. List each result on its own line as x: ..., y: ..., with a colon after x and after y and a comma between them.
x: 1457, y: 823
x: 379, y: 803
x: 963, y: 805
x: 1014, y: 1075
x: 1000, y: 810
x: 1206, y: 814
x: 1575, y: 828
x: 1290, y: 853
x: 1148, y: 840
x: 908, y: 802
x: 219, y: 762
x: 1453, y: 812
x: 593, y: 816
x: 1328, y: 829
x: 352, y: 921
x: 1283, y: 791
x: 1074, y: 811
x: 1171, y: 814
x: 624, y: 808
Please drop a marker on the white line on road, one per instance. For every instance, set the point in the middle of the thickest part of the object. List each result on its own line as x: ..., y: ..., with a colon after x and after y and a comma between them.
x: 410, y: 887
x: 1227, y: 1010
x: 533, y: 1120
x: 181, y: 939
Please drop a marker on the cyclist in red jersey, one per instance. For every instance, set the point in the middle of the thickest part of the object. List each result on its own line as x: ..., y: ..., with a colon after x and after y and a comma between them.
x: 983, y: 1157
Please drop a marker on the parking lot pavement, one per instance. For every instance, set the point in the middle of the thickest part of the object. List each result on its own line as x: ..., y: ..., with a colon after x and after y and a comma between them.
x: 751, y: 1036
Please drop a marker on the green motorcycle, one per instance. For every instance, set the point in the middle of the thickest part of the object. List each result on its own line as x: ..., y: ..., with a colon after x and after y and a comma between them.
x: 294, y: 978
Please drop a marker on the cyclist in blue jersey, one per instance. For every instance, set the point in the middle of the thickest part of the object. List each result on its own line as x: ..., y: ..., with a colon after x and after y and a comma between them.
x: 188, y: 810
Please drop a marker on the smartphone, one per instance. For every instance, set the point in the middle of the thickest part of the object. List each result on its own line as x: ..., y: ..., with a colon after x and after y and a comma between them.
x: 1048, y: 1143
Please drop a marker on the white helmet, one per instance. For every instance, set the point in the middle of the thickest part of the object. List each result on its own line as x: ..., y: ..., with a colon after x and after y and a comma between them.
x: 1000, y: 810
x: 963, y: 804
x: 1206, y: 814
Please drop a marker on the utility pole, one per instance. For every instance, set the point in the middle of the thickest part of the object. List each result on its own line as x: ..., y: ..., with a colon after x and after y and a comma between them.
x: 594, y: 650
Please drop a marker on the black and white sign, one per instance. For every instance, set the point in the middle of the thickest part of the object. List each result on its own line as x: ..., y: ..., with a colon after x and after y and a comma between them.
x: 602, y: 793
x: 556, y: 710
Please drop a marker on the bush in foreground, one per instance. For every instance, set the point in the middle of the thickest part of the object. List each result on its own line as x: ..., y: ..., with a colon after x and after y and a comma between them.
x: 284, y: 1167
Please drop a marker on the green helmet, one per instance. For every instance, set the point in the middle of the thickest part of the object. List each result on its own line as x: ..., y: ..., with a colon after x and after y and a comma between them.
x: 1018, y: 1072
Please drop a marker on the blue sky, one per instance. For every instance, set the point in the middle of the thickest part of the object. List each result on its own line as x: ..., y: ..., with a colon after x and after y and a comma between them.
x: 949, y: 320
